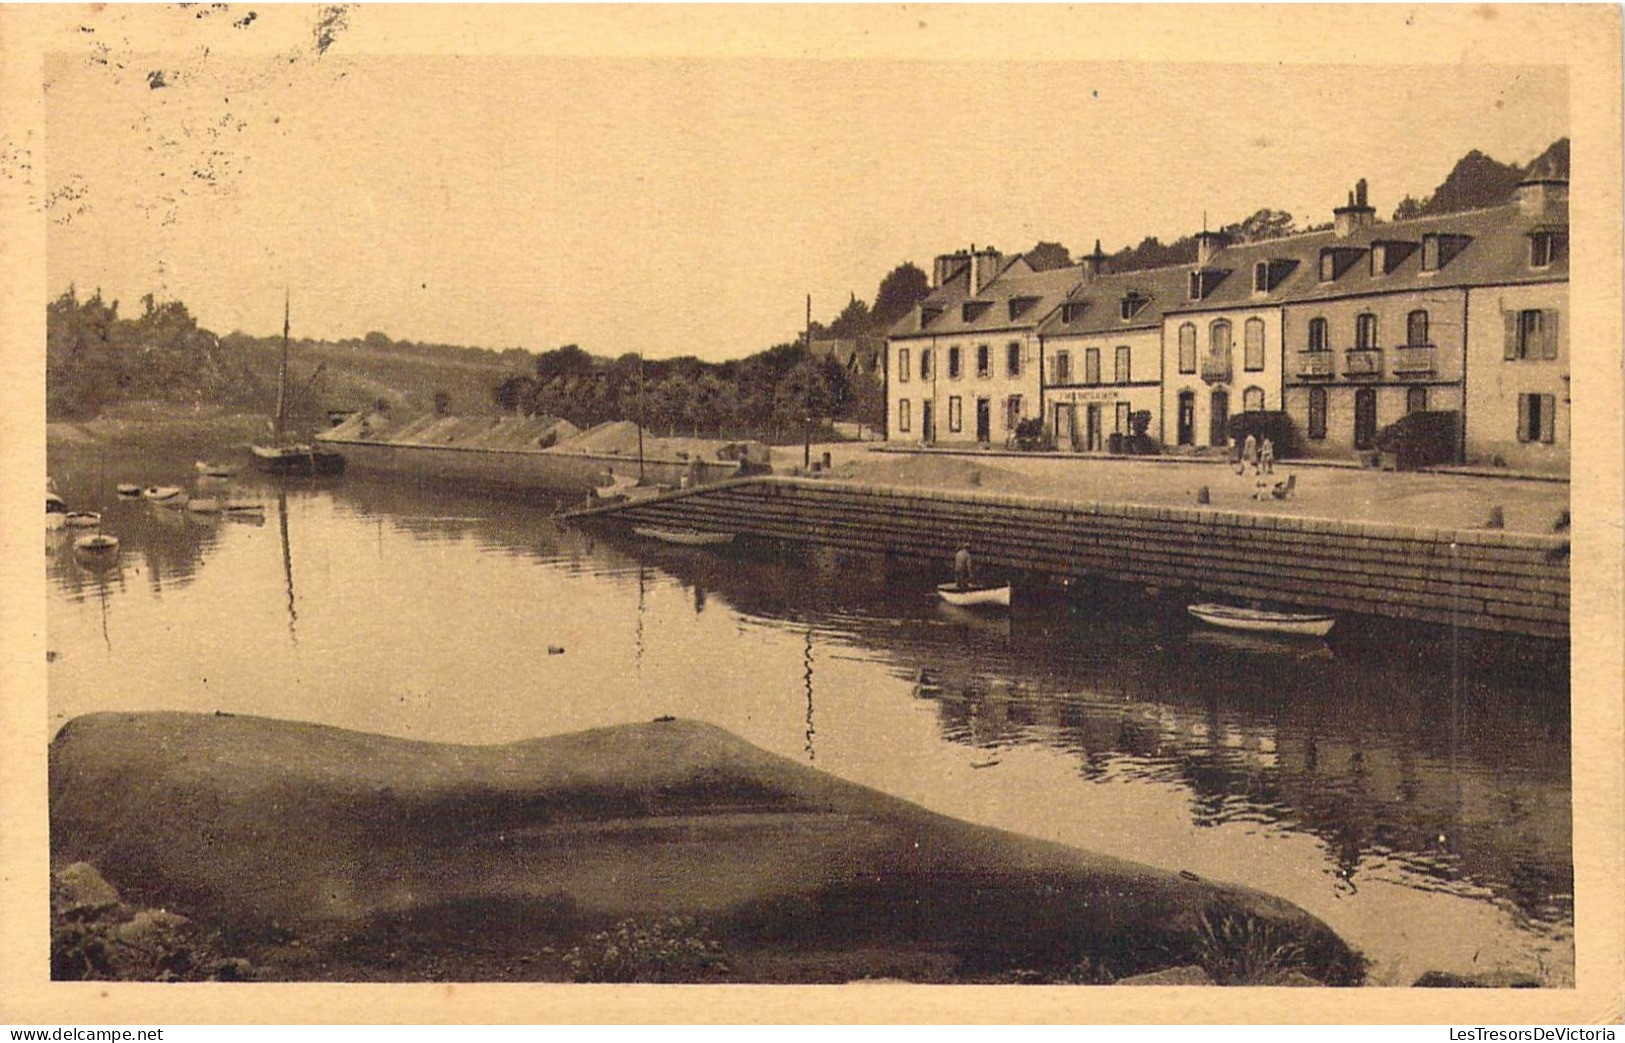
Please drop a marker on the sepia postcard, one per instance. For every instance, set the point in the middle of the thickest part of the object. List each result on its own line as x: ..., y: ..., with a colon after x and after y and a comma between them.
x: 975, y: 513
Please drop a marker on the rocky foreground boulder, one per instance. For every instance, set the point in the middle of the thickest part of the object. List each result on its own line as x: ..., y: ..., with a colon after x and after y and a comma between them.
x: 667, y: 851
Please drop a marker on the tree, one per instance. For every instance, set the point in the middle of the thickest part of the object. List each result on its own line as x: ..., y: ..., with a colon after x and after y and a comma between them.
x: 442, y: 402
x: 514, y: 393
x: 901, y: 289
x: 1410, y: 207
x: 854, y: 321
x: 563, y: 361
x: 1260, y: 226
x: 1047, y: 255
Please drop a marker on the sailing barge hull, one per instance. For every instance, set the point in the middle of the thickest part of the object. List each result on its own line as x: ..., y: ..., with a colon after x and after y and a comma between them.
x: 306, y: 461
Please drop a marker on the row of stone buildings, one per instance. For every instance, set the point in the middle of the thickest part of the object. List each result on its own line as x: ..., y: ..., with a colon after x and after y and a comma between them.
x: 1346, y: 330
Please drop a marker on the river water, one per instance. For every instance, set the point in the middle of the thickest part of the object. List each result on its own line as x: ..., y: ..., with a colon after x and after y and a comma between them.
x: 1412, y: 791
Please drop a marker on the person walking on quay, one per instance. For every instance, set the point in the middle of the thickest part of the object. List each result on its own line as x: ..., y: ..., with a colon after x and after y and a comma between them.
x: 1234, y: 451
x: 1249, y: 454
x: 1266, y: 457
x: 962, y: 567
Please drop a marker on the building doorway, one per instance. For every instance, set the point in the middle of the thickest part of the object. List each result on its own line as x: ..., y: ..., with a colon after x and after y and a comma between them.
x: 928, y: 422
x: 984, y: 421
x: 1185, y: 433
x: 1365, y: 418
x: 1066, y: 426
x: 1092, y: 428
x: 1219, y: 418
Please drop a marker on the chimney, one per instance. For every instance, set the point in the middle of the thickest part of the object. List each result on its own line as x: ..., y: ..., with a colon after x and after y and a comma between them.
x: 1356, y: 216
x: 1208, y: 245
x: 988, y: 268
x: 1094, y: 264
x: 944, y: 268
x: 973, y: 287
x: 1542, y: 197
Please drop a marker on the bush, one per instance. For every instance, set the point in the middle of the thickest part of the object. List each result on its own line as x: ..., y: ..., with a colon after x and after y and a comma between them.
x: 670, y: 950
x: 1422, y: 439
x: 1031, y: 436
x: 1273, y: 424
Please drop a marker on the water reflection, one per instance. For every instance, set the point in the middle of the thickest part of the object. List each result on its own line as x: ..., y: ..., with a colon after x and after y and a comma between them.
x: 1359, y: 777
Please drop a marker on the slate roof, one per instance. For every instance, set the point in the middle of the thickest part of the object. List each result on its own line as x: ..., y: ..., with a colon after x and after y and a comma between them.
x: 1496, y: 253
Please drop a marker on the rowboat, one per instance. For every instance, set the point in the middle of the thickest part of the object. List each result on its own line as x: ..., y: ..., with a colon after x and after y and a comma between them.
x: 618, y: 486
x: 172, y: 495
x: 129, y: 489
x: 214, y: 470
x: 975, y: 595
x: 684, y: 537
x: 97, y: 551
x: 204, y: 505
x: 1306, y: 624
x: 81, y: 519
x: 56, y: 508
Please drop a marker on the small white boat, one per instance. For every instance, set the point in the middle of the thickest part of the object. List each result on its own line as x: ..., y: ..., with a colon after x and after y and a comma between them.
x: 172, y: 495
x: 1306, y: 624
x: 636, y: 493
x: 974, y: 595
x: 56, y: 508
x: 213, y: 470
x: 129, y: 489
x: 96, y: 547
x: 205, y: 505
x: 81, y: 519
x: 618, y: 485
x: 684, y: 537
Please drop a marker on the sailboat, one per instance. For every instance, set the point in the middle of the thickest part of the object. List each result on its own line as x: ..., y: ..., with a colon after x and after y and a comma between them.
x: 282, y: 456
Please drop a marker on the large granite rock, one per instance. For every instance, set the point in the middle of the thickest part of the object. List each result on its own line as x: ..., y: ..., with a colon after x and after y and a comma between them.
x: 273, y: 826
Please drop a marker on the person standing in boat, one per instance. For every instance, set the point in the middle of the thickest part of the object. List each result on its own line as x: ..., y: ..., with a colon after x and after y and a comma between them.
x: 962, y: 567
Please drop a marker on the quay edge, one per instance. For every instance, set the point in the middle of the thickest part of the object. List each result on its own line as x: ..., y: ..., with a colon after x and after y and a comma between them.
x: 1489, y: 580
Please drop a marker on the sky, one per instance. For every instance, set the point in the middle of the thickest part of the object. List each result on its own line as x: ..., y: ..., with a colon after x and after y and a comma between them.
x: 679, y: 205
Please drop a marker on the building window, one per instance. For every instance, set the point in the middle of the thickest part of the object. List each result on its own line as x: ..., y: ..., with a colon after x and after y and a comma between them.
x: 1122, y: 421
x: 956, y: 413
x: 1252, y: 400
x: 1531, y: 334
x: 1430, y: 253
x: 1121, y: 365
x: 1379, y: 259
x: 1416, y: 329
x: 902, y: 365
x: 953, y: 362
x: 1253, y: 343
x: 1218, y: 337
x: 984, y: 361
x: 1012, y: 359
x: 1537, y: 416
x: 1317, y: 335
x: 1130, y: 305
x: 1328, y: 266
x: 902, y: 415
x: 1196, y: 286
x: 1317, y: 412
x: 925, y: 363
x: 1416, y: 399
x: 1365, y: 331
x: 1547, y: 247
x: 1012, y: 412
x: 1091, y: 366
x: 1063, y: 367
x: 1187, y: 348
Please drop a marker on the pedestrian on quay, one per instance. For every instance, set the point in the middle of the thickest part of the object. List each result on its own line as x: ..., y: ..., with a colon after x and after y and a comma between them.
x: 1234, y: 452
x: 1266, y: 457
x: 962, y: 567
x: 1249, y: 454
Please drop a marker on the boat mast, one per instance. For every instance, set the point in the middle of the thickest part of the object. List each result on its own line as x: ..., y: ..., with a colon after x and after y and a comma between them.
x: 282, y: 373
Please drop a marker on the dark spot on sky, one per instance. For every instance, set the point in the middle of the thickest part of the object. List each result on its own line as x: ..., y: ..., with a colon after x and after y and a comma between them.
x: 86, y: 29
x: 246, y: 20
x: 425, y: 286
x: 155, y: 79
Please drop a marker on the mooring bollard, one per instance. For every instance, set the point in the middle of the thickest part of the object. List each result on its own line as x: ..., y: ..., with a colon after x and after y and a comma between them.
x: 1203, y: 496
x: 1498, y: 518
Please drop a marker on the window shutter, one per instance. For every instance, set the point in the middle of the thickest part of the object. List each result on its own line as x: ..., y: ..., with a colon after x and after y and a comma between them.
x: 1548, y: 418
x: 1523, y: 418
x: 1510, y: 318
x: 1548, y: 329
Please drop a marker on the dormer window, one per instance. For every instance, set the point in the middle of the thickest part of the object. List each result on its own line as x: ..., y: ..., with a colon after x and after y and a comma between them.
x: 1546, y: 247
x: 1261, y: 277
x: 970, y: 311
x: 1440, y: 248
x: 929, y: 313
x: 1203, y: 282
x: 1072, y: 311
x: 1379, y: 259
x: 1020, y: 305
x: 1130, y: 305
x: 1335, y: 260
x: 1389, y: 254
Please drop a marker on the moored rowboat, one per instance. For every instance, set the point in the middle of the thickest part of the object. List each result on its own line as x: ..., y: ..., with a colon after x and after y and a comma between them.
x: 975, y: 595
x: 1306, y: 624
x: 684, y: 537
x: 82, y: 519
x: 166, y: 494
